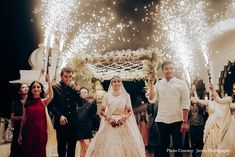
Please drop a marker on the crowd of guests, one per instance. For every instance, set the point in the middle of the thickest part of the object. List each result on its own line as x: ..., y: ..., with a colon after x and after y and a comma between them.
x: 178, y: 118
x: 198, y: 132
x: 72, y: 114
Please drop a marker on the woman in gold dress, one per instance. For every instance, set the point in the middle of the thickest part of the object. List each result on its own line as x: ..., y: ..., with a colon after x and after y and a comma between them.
x: 218, y: 133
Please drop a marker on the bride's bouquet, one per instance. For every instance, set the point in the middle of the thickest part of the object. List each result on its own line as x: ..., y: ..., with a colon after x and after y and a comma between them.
x: 117, y: 122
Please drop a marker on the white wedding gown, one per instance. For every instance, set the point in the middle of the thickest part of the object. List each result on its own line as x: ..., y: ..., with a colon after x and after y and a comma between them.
x: 121, y: 141
x: 219, y: 135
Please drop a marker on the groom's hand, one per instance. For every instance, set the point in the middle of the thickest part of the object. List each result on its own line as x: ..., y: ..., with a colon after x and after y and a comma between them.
x: 184, y: 127
x: 151, y: 77
x: 63, y: 120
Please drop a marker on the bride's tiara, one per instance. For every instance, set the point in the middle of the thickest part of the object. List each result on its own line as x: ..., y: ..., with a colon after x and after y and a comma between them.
x: 114, y: 77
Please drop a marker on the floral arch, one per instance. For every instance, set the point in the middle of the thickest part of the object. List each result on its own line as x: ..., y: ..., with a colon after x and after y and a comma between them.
x: 128, y: 64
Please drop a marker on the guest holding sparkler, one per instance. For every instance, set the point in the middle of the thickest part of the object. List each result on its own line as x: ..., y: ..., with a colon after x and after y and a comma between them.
x: 35, y: 122
x: 219, y: 129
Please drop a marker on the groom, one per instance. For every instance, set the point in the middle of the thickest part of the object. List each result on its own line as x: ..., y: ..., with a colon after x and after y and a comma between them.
x: 173, y: 100
x: 63, y: 106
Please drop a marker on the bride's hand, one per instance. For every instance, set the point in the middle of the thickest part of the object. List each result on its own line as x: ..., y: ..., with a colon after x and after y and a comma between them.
x: 112, y: 122
x: 121, y: 121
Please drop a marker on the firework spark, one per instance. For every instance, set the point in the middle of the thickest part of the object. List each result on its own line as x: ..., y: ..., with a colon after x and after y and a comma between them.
x: 99, y: 26
x: 58, y: 19
x: 180, y: 30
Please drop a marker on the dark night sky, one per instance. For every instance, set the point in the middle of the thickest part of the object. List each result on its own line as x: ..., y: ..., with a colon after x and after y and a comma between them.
x: 18, y: 41
x: 20, y: 38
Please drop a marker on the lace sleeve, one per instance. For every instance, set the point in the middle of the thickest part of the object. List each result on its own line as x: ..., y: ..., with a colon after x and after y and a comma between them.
x: 128, y: 107
x: 223, y: 101
x: 103, y: 106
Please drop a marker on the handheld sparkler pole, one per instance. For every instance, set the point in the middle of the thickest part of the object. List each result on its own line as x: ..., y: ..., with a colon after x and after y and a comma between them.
x: 209, y: 72
x: 57, y: 66
x: 49, y: 60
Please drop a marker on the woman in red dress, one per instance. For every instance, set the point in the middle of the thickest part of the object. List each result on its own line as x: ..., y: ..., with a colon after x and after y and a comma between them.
x: 143, y: 127
x: 35, y: 124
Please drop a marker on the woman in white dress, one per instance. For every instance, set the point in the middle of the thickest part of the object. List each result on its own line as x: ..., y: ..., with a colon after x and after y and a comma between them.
x: 219, y: 129
x: 118, y: 135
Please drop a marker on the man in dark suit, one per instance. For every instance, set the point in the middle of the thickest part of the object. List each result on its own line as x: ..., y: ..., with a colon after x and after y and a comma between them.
x: 63, y: 106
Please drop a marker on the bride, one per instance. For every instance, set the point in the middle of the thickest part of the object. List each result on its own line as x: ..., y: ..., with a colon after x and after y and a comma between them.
x: 118, y: 135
